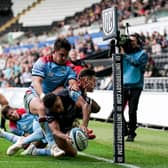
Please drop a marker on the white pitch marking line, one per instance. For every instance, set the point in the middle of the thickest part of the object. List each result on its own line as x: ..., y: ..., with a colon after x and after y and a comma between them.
x: 107, y: 160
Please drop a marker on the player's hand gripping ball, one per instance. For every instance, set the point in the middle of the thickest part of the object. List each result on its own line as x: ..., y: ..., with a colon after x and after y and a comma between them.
x: 79, y: 139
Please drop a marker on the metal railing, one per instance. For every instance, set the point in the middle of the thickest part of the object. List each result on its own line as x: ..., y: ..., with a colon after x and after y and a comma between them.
x: 156, y: 84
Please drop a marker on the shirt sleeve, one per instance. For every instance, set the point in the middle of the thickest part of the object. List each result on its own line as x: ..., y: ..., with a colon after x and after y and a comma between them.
x: 39, y: 68
x: 140, y: 60
x: 74, y: 95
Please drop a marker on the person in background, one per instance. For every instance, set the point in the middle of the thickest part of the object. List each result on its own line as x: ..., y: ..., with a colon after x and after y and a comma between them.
x: 151, y: 70
x: 75, y: 62
x: 26, y: 77
x: 134, y: 62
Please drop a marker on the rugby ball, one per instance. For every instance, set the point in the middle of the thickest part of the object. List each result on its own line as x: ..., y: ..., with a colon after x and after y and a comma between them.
x: 79, y: 139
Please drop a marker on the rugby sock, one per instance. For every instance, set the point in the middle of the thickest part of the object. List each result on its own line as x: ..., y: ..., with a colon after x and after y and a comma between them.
x: 43, y: 122
x: 46, y: 131
x: 9, y: 136
x: 40, y: 151
x: 49, y: 136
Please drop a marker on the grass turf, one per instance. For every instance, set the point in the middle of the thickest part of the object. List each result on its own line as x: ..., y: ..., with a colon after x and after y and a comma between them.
x: 149, y: 150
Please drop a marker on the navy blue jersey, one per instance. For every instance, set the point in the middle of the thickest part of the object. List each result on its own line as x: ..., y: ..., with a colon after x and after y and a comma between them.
x: 70, y: 113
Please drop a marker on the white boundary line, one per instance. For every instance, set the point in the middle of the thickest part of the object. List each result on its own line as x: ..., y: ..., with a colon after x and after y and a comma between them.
x: 107, y: 160
x: 87, y: 155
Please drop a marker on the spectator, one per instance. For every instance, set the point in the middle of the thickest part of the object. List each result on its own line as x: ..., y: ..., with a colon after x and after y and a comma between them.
x: 75, y: 62
x: 26, y: 77
x: 151, y: 69
x: 156, y: 47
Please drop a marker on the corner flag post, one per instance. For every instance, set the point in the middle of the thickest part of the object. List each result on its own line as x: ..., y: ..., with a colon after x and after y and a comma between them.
x: 110, y: 29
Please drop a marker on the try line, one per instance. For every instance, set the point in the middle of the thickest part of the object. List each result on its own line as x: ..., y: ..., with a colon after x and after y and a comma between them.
x: 107, y: 160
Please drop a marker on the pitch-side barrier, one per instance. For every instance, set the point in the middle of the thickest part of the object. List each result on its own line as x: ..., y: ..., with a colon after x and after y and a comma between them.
x: 152, y: 109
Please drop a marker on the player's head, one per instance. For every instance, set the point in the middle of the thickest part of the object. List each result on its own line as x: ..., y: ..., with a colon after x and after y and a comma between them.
x: 10, y: 113
x: 61, y: 50
x: 87, y: 79
x: 53, y: 103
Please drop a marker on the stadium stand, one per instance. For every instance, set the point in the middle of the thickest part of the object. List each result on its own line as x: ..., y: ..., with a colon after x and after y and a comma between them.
x: 12, y: 23
x: 73, y: 21
x: 19, y: 6
x: 159, y: 84
x: 47, y: 12
x: 5, y: 11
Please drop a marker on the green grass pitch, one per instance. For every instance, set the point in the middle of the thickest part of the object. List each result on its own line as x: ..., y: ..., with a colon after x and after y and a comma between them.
x: 150, y: 150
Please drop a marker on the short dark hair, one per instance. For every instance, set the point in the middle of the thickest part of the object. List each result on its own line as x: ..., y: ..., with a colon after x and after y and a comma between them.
x: 87, y: 72
x: 49, y: 99
x: 62, y: 43
x: 4, y: 111
x: 138, y: 38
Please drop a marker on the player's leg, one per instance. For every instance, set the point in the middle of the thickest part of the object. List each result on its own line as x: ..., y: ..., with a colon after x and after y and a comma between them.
x: 49, y: 138
x: 34, y: 105
x: 37, y: 136
x: 15, y: 147
x: 53, y: 149
x: 8, y: 136
x: 33, y: 150
x: 22, y: 142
